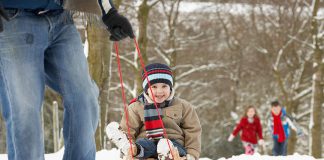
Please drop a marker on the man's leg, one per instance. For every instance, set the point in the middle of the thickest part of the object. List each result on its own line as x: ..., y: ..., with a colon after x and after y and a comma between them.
x: 22, y: 45
x: 67, y: 72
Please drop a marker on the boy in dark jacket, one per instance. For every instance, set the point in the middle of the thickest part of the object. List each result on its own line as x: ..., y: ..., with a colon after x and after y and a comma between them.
x: 279, y: 124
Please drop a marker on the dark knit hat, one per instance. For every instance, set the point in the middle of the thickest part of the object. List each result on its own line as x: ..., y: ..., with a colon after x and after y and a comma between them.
x: 275, y: 103
x: 157, y: 73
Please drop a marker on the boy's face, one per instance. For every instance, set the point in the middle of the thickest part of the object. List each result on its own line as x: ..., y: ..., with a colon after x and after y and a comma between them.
x: 276, y: 109
x: 161, y: 91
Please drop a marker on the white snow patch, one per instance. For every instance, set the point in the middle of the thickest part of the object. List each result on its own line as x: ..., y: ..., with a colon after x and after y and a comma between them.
x: 113, y: 154
x: 302, y: 93
x: 296, y: 156
x: 315, y: 64
x: 86, y: 44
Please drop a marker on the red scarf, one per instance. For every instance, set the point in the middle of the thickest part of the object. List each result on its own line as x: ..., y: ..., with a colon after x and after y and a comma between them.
x: 278, y: 128
x: 153, y: 126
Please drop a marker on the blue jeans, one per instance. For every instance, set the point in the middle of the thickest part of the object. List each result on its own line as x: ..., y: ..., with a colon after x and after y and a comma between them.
x: 39, y: 50
x: 279, y: 149
x: 150, y: 147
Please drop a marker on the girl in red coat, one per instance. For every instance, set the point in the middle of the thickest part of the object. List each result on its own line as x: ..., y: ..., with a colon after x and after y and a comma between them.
x: 251, y: 130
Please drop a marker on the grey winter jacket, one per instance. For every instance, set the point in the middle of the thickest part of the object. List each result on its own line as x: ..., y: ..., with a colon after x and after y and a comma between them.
x: 86, y: 6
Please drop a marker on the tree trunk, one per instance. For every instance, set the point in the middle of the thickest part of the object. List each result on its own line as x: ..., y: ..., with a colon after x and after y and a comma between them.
x: 56, y: 128
x: 2, y: 136
x: 317, y: 96
x: 98, y: 59
x: 117, y: 3
x: 172, y: 18
x: 292, y: 108
x: 316, y: 116
x: 143, y: 14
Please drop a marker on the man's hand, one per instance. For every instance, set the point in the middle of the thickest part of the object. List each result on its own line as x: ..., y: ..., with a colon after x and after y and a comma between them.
x: 118, y: 25
x: 2, y: 15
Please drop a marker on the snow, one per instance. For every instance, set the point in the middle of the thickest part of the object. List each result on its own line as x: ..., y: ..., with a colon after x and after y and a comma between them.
x: 303, y: 93
x: 101, y: 155
x: 235, y: 9
x: 315, y: 64
x: 265, y: 157
x: 113, y: 154
x: 209, y: 7
x: 86, y: 44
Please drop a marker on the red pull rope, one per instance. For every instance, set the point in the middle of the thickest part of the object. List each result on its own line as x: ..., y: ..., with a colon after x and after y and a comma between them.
x: 124, y: 98
x: 155, y: 104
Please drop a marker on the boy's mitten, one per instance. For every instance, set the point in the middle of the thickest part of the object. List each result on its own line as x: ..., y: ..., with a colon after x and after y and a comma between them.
x: 300, y: 132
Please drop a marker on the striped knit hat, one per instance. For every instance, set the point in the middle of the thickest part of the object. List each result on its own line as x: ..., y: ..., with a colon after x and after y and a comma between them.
x: 157, y: 73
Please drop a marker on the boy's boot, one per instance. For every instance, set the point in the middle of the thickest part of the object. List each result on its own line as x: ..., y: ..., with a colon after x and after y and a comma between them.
x: 130, y: 156
x: 118, y: 137
x: 164, y: 152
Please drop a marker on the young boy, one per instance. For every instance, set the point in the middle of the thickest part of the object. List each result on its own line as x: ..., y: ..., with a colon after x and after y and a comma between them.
x: 279, y: 125
x: 179, y: 118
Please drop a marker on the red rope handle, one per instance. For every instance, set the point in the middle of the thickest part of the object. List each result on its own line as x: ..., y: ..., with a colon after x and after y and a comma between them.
x: 155, y: 104
x: 124, y: 98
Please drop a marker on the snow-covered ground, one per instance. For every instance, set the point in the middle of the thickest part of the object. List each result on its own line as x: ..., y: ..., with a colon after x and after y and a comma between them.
x: 266, y: 157
x: 114, y: 155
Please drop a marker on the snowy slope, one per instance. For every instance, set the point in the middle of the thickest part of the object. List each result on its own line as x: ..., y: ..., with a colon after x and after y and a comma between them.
x: 266, y: 157
x: 114, y: 155
x: 101, y: 155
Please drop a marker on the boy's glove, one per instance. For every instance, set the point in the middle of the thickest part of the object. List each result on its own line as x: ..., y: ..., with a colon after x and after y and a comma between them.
x: 299, y: 132
x: 118, y: 25
x: 2, y: 15
x: 190, y: 157
x: 230, y: 138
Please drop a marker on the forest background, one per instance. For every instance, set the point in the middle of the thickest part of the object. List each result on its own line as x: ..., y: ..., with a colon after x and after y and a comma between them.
x: 225, y: 54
